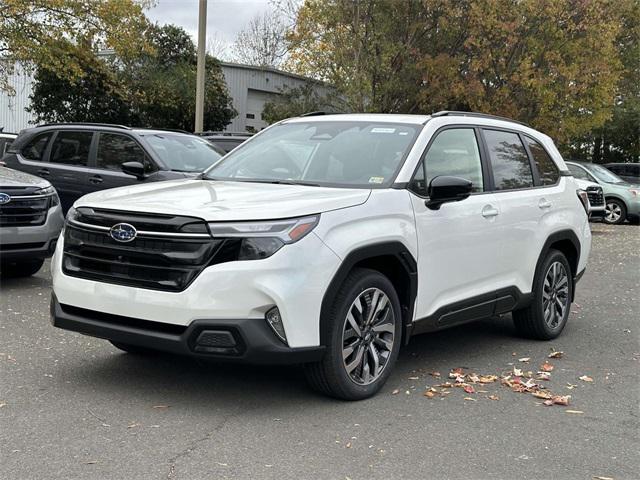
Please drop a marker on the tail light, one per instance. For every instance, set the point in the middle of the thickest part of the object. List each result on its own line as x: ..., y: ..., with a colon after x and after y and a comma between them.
x: 584, y: 198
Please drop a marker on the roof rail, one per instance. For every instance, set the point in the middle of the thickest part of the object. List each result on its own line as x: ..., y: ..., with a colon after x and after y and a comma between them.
x: 88, y: 124
x: 445, y: 113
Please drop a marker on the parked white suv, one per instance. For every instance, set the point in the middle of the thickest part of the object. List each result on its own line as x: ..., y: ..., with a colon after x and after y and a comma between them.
x: 329, y: 241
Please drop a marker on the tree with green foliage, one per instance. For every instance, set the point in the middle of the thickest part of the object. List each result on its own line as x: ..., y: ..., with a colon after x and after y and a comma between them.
x: 154, y: 89
x: 55, y: 34
x: 555, y: 65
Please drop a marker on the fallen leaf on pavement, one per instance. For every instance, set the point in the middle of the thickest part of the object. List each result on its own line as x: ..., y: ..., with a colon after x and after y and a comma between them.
x: 556, y: 354
x: 429, y: 394
x: 469, y: 389
x: 414, y: 378
x: 543, y: 376
x: 91, y: 462
x: 542, y: 394
x: 571, y: 386
x: 579, y: 412
x: 348, y: 445
x: 517, y: 372
x: 602, y: 478
x: 435, y: 374
x: 488, y: 378
x: 470, y: 399
x: 493, y: 397
x: 546, y: 367
x: 586, y: 378
x: 395, y: 392
x: 133, y: 425
x: 524, y: 359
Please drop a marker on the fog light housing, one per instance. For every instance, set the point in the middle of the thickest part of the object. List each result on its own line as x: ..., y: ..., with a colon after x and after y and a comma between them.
x: 275, y: 322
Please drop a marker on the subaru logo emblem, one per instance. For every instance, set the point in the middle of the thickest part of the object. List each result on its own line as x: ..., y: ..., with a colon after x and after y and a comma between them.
x: 123, y: 232
x: 4, y: 198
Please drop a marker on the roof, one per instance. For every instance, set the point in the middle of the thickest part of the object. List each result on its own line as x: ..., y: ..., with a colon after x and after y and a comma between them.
x: 258, y: 68
x: 363, y: 117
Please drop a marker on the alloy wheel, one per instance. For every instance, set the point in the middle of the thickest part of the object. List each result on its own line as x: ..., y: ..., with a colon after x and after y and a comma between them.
x: 368, y: 336
x: 613, y: 212
x: 555, y: 294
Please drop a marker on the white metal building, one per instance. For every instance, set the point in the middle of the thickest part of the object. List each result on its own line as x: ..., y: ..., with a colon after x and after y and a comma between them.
x: 250, y: 88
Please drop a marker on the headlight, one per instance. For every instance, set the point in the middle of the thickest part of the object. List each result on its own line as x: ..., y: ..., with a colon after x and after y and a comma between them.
x: 71, y: 214
x: 50, y: 191
x: 258, y: 240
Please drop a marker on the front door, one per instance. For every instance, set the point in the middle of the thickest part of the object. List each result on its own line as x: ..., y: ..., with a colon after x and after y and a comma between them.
x: 458, y: 254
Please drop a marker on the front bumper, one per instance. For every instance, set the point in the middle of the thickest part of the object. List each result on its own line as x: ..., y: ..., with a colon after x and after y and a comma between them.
x: 239, y: 340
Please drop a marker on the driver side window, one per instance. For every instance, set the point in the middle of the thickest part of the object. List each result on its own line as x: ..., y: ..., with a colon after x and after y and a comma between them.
x: 454, y: 153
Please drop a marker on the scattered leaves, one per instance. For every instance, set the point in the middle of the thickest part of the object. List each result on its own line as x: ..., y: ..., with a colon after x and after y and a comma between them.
x: 556, y: 354
x: 558, y: 400
x: 586, y: 378
x: 546, y: 367
x: 469, y: 389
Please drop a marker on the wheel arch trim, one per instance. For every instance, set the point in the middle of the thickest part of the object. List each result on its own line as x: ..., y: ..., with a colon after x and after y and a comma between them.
x: 368, y: 252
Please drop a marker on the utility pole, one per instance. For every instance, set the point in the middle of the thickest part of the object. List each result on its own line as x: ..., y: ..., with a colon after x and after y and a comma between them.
x: 202, y: 39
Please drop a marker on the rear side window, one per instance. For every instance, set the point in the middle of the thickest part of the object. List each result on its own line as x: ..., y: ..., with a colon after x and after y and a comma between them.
x: 454, y: 152
x: 549, y: 174
x: 71, y: 148
x: 34, y: 150
x: 115, y: 149
x: 580, y: 173
x: 509, y: 160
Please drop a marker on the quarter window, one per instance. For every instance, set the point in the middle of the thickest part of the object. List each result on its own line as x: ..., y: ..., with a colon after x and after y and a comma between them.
x: 547, y: 169
x: 509, y: 160
x: 71, y: 148
x: 454, y: 152
x: 34, y: 150
x: 115, y: 149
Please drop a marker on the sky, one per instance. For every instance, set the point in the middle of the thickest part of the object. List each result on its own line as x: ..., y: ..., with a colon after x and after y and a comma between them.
x: 225, y: 18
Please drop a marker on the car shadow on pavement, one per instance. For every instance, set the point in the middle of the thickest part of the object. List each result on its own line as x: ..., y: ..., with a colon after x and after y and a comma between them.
x: 203, y: 385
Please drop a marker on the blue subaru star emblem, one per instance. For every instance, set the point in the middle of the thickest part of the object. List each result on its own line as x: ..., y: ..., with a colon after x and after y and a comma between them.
x: 4, y: 198
x: 123, y: 232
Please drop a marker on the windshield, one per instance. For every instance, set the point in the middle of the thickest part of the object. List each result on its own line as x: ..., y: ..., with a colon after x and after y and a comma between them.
x: 183, y: 153
x: 353, y: 154
x: 605, y: 175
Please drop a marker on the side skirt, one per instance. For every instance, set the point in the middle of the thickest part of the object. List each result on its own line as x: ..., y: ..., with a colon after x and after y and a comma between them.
x: 483, y: 306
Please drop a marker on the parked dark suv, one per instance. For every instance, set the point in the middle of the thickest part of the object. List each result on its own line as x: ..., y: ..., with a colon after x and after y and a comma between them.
x: 82, y: 158
x: 626, y: 171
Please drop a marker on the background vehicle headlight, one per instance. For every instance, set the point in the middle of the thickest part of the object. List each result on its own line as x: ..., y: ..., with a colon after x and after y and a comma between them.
x: 262, y: 239
x: 50, y: 191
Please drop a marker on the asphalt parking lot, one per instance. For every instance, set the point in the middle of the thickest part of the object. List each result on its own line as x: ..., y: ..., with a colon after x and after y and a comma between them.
x: 75, y: 407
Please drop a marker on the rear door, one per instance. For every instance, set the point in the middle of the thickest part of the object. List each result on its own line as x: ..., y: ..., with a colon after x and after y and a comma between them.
x: 112, y: 150
x: 528, y: 196
x: 68, y: 164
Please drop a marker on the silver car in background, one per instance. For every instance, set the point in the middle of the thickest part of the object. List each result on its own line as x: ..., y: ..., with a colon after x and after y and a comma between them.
x: 30, y: 222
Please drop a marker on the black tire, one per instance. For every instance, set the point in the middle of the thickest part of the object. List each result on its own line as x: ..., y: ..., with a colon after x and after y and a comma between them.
x: 21, y: 268
x: 530, y: 321
x: 330, y: 375
x: 615, y: 203
x: 133, y: 349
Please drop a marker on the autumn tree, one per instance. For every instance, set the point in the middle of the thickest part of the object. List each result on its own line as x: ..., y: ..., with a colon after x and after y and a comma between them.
x: 553, y: 64
x: 54, y: 34
x: 262, y: 42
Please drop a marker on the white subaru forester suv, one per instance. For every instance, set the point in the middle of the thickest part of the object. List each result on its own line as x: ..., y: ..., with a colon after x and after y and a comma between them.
x: 329, y: 240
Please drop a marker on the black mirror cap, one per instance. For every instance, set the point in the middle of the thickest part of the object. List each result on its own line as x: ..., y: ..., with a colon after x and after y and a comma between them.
x: 445, y: 189
x: 134, y: 168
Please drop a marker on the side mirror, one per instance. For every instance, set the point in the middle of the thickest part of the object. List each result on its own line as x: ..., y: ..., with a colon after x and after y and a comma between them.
x: 444, y: 189
x: 134, y: 168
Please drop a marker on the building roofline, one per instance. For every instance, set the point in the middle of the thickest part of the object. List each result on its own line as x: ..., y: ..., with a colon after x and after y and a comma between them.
x: 271, y: 70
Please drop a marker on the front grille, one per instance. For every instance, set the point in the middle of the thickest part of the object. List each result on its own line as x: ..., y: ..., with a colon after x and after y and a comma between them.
x: 596, y: 198
x: 25, y: 211
x: 169, y: 260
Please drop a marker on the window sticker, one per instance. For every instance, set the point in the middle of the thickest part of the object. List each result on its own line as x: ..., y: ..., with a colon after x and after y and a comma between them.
x: 376, y: 180
x: 383, y: 130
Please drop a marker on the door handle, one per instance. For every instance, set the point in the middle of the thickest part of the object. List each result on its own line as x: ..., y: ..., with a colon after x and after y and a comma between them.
x: 544, y: 203
x: 95, y: 179
x: 489, y: 211
x: 43, y: 171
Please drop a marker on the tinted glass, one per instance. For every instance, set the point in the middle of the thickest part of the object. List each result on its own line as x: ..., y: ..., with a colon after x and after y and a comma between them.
x: 71, y: 148
x: 509, y: 160
x: 579, y: 172
x: 114, y: 150
x: 547, y: 169
x: 183, y: 153
x: 604, y: 174
x: 355, y: 154
x: 34, y: 150
x: 454, y: 153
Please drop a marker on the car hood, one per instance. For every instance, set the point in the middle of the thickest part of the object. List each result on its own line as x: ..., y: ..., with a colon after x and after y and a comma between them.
x: 15, y: 178
x: 221, y: 201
